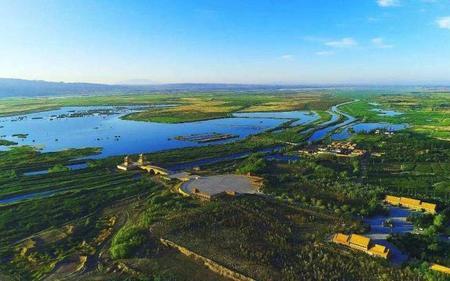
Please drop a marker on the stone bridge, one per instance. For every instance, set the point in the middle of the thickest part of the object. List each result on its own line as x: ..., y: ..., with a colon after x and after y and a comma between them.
x: 143, y: 165
x: 154, y: 170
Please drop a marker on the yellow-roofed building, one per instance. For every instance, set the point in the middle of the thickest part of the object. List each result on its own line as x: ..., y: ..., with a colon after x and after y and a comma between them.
x: 393, y: 200
x: 361, y: 243
x: 340, y: 238
x: 440, y: 268
x: 411, y: 203
x: 429, y: 207
x: 379, y: 251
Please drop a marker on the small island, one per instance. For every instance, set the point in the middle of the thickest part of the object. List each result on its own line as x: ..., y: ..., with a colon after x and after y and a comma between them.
x: 4, y: 142
x: 20, y: 136
x: 203, y: 138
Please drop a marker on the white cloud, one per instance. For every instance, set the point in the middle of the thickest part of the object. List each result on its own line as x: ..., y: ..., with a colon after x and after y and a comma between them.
x: 387, y: 3
x: 443, y: 22
x: 379, y: 43
x: 342, y: 43
x: 325, y: 53
x: 287, y: 57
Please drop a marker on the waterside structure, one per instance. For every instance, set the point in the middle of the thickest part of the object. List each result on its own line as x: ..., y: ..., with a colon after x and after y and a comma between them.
x: 440, y: 268
x: 141, y: 164
x: 411, y: 203
x: 210, y: 197
x: 361, y: 243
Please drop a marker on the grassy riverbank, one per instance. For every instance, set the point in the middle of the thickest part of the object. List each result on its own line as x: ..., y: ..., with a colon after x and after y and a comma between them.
x: 188, y: 106
x: 428, y: 113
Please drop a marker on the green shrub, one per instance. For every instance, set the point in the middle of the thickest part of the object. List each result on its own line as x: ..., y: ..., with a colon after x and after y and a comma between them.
x: 127, y: 241
x: 58, y: 168
x: 254, y: 164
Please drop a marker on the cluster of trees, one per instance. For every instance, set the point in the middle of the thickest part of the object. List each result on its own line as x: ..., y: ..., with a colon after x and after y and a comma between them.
x: 408, y: 147
x: 432, y: 224
x: 58, y: 168
x: 127, y: 240
x: 423, y: 247
x: 411, y: 164
x: 254, y: 164
x: 328, y: 183
x: 134, y: 235
x: 428, y: 245
x: 269, y: 240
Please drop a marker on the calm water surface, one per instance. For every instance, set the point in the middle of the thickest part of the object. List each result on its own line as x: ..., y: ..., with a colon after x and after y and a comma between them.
x: 384, y: 112
x: 379, y: 233
x: 366, y: 128
x: 119, y: 137
x: 304, y: 117
x: 322, y: 133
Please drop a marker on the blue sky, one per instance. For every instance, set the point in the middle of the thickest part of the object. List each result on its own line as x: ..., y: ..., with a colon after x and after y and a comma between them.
x: 231, y: 41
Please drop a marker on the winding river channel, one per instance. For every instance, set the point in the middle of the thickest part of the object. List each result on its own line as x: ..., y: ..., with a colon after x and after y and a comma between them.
x: 350, y: 125
x: 326, y: 128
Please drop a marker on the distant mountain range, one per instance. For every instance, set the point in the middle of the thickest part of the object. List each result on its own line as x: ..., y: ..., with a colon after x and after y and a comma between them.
x: 34, y: 88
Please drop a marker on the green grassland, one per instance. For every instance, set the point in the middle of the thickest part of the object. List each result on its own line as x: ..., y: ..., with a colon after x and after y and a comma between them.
x: 188, y: 106
x: 424, y: 112
x: 38, y: 235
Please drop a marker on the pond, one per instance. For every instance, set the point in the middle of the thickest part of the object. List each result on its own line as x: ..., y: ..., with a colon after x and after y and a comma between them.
x: 379, y: 233
x: 72, y: 167
x: 348, y: 131
x: 388, y: 113
x: 34, y: 195
x: 284, y: 158
x: 101, y: 126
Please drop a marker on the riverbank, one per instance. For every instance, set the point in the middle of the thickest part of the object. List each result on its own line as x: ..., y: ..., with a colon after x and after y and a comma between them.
x: 190, y: 106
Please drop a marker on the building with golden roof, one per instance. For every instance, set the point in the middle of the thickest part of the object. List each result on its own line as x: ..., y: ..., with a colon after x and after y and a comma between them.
x: 361, y: 243
x: 440, y: 268
x: 411, y: 203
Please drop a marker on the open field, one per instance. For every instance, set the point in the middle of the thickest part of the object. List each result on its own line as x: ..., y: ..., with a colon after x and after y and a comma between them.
x: 425, y: 112
x: 189, y: 106
x: 220, y: 183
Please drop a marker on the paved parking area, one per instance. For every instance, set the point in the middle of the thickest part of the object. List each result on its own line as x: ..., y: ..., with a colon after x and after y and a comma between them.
x: 216, y: 184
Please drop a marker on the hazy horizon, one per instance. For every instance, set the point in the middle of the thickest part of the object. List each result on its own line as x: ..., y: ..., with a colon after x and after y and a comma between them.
x: 370, y: 42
